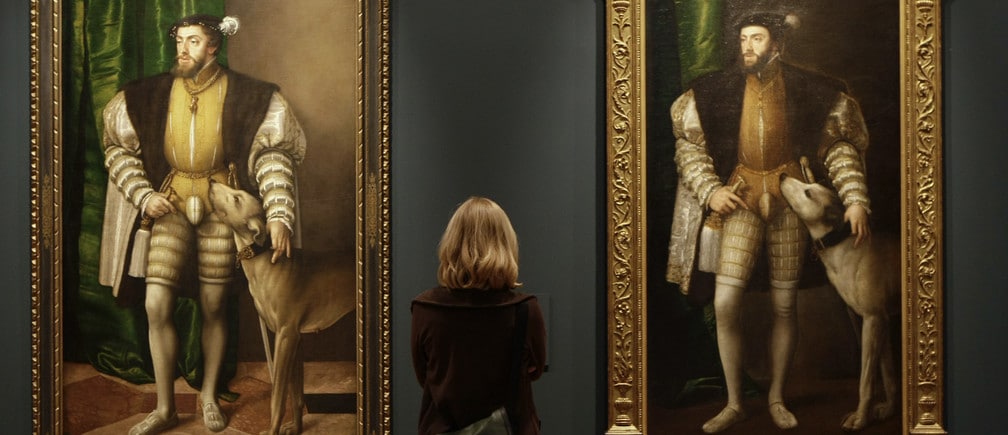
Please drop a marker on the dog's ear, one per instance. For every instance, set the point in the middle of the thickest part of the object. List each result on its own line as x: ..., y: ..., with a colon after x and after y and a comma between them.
x: 258, y: 229
x: 833, y: 213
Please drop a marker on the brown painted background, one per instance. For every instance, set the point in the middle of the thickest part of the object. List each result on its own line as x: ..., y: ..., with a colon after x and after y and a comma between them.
x: 309, y: 49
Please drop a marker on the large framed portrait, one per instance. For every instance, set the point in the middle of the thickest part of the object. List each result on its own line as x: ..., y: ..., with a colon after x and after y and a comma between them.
x: 751, y: 217
x: 270, y: 141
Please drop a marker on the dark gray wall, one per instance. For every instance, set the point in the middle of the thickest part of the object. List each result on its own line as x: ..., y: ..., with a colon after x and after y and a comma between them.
x: 976, y: 111
x: 15, y: 319
x: 499, y: 100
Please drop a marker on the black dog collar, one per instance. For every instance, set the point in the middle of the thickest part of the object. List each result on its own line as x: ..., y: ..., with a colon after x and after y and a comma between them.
x: 251, y: 251
x: 834, y: 237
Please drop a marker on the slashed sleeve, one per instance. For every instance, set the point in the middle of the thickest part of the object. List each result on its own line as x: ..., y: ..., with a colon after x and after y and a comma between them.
x: 122, y: 153
x: 278, y: 148
x: 845, y: 140
x: 696, y: 167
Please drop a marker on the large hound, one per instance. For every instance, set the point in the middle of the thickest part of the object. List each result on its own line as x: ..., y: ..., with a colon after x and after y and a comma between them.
x: 867, y: 278
x: 292, y: 296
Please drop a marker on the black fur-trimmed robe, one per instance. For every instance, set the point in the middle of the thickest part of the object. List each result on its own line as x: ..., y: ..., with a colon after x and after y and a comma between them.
x: 245, y: 107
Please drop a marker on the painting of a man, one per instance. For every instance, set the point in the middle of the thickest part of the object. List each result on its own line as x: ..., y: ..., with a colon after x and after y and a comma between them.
x: 737, y: 132
x: 165, y: 138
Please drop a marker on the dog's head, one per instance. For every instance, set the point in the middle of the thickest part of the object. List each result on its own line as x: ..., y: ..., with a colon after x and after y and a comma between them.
x: 239, y: 210
x: 815, y: 204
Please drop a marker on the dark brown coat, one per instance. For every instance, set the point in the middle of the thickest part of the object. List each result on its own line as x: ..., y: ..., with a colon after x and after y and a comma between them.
x: 461, y: 343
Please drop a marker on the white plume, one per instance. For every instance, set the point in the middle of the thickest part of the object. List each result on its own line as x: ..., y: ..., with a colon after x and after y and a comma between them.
x: 792, y: 21
x: 229, y: 26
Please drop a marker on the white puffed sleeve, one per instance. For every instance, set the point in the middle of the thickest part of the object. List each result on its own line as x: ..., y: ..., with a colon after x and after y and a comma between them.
x: 122, y: 153
x: 845, y: 140
x: 696, y: 168
x: 279, y: 146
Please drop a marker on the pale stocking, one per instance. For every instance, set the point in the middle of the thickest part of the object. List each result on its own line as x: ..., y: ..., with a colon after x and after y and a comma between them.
x: 160, y: 306
x: 213, y: 305
x: 783, y: 340
x: 727, y: 310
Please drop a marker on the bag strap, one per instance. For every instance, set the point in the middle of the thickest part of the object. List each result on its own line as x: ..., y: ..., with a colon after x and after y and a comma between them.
x: 517, y: 345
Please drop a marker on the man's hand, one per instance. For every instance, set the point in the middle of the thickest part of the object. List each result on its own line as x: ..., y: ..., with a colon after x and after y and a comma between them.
x: 280, y: 236
x: 158, y: 205
x: 857, y: 215
x: 725, y: 201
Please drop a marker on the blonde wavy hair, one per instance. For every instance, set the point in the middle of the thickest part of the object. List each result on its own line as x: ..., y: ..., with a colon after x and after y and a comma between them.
x: 479, y: 248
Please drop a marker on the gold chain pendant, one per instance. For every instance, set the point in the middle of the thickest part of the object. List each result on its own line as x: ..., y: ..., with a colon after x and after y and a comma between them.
x: 192, y: 89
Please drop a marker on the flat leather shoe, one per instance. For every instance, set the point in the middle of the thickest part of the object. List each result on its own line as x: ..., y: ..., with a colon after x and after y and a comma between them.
x: 725, y: 419
x: 213, y: 418
x: 153, y: 424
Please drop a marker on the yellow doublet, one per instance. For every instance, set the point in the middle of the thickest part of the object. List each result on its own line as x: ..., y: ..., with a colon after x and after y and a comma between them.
x: 764, y: 150
x: 194, y: 145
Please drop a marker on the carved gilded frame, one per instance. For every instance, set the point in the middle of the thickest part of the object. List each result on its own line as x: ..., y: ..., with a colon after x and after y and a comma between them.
x: 371, y: 205
x: 922, y: 355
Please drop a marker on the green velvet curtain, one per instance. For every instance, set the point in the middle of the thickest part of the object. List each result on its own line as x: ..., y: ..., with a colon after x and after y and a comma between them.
x: 699, y: 23
x: 110, y: 43
x: 700, y: 35
x: 684, y: 40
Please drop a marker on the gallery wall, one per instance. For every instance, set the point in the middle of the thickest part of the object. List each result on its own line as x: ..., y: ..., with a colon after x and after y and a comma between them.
x: 499, y: 99
x: 15, y: 317
x: 976, y: 104
x: 512, y: 86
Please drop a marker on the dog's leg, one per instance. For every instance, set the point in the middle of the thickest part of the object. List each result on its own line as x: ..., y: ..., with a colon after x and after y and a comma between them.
x: 872, y: 328
x: 296, y: 395
x: 889, y: 382
x: 855, y: 320
x: 298, y: 389
x: 285, y: 348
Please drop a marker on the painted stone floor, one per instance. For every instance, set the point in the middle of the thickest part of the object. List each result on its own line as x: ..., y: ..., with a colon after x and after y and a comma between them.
x: 820, y: 406
x: 97, y: 404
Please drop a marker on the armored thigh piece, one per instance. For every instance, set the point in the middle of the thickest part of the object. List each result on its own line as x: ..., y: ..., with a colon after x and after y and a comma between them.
x: 170, y: 246
x: 216, y: 248
x: 740, y: 243
x: 786, y: 242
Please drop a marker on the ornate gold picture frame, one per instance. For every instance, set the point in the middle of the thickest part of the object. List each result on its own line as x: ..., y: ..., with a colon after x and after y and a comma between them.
x: 901, y: 99
x: 331, y: 61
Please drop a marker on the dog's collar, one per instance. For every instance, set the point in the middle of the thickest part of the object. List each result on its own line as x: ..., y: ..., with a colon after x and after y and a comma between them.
x: 251, y: 251
x: 833, y: 238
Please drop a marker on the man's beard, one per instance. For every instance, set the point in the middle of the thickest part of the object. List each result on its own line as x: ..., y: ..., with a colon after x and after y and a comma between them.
x: 757, y: 67
x: 190, y: 71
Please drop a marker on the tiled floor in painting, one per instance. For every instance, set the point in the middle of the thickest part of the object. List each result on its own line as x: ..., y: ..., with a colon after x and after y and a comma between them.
x: 97, y: 404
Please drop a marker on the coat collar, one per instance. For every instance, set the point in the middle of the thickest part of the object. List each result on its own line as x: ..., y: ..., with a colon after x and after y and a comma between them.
x: 470, y: 298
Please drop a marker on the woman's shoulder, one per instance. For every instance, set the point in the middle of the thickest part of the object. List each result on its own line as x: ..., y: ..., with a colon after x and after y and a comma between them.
x: 470, y: 298
x: 431, y: 296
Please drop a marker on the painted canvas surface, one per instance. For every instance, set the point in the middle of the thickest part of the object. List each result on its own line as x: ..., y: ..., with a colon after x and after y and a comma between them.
x: 102, y: 367
x: 856, y: 44
x: 676, y: 91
